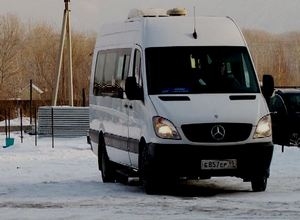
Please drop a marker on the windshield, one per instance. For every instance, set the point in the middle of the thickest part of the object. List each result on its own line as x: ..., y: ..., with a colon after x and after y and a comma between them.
x: 173, y: 70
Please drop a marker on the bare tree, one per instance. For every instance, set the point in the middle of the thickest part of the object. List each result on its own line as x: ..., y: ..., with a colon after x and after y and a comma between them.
x: 39, y: 57
x: 10, y: 42
x: 292, y: 50
x: 83, y: 45
x: 270, y: 55
x: 31, y: 52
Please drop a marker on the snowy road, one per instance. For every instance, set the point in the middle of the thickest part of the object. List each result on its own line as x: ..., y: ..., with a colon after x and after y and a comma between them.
x: 38, y: 182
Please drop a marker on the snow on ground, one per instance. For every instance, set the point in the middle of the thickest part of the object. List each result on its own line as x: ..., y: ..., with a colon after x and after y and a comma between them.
x: 17, y: 122
x: 41, y: 182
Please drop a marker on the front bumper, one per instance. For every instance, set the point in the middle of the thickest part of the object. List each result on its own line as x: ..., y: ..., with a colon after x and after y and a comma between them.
x: 253, y: 160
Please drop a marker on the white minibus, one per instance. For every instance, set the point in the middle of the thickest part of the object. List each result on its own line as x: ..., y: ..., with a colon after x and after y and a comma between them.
x: 177, y: 97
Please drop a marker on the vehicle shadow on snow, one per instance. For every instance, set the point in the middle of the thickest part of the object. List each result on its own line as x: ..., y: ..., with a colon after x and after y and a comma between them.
x: 93, y: 188
x: 201, y: 188
x: 205, y: 188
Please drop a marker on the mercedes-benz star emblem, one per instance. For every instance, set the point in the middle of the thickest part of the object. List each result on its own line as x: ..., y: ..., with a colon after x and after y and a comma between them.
x: 218, y: 132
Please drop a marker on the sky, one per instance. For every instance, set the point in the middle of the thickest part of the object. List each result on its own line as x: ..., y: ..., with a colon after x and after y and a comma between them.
x: 276, y: 16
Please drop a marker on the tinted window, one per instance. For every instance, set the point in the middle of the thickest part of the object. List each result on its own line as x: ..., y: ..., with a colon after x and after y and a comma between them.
x: 200, y: 69
x: 293, y: 102
x: 112, y: 67
x: 277, y: 105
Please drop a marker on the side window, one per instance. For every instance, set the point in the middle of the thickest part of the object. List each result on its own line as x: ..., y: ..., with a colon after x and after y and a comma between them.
x: 99, y: 73
x: 137, y: 66
x: 123, y: 68
x: 111, y: 68
x: 294, y: 102
x: 277, y: 105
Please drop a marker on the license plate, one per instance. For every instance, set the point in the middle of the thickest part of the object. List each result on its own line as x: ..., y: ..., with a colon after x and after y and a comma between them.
x: 227, y: 164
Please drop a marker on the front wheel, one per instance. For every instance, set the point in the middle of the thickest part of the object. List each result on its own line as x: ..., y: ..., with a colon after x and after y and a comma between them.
x: 147, y: 174
x: 259, y: 184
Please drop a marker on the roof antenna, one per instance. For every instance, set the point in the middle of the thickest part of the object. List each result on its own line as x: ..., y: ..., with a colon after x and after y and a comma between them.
x: 195, y: 35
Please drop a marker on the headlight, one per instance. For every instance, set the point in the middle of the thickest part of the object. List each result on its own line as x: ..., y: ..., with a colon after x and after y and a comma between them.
x: 165, y: 129
x: 263, y: 128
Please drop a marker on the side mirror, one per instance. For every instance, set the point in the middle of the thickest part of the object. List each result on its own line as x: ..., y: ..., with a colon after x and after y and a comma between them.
x: 132, y: 90
x: 268, y: 86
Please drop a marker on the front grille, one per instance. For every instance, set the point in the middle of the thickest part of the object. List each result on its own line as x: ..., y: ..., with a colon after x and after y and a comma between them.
x: 203, y: 132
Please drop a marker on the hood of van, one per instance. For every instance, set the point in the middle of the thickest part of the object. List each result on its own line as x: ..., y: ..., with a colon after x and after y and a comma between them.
x: 210, y: 108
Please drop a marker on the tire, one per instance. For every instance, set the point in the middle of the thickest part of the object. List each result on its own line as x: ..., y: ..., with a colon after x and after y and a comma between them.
x: 259, y: 184
x: 147, y: 178
x: 108, y: 171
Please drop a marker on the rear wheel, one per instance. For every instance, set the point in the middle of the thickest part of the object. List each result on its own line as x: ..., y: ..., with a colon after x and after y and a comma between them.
x: 108, y: 171
x: 259, y: 184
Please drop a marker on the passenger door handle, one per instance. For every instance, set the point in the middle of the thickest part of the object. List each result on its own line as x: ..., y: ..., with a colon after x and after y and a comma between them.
x: 128, y: 106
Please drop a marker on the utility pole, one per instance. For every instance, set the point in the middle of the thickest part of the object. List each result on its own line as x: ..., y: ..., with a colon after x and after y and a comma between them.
x: 65, y: 35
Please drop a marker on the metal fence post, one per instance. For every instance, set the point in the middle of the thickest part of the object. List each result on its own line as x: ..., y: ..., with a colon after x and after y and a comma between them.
x: 35, y: 126
x: 21, y: 124
x: 52, y: 126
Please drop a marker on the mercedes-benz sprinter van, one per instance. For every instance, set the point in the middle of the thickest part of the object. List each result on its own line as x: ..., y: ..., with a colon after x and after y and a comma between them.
x: 173, y: 96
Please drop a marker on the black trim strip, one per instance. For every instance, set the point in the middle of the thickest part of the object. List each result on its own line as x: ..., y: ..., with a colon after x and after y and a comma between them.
x: 115, y: 141
x: 242, y: 97
x: 133, y: 145
x: 174, y: 98
x: 122, y: 143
